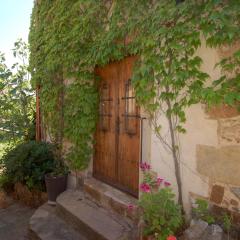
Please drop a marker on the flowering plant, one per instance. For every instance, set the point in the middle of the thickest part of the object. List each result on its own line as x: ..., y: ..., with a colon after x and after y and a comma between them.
x: 161, y: 215
x: 171, y: 238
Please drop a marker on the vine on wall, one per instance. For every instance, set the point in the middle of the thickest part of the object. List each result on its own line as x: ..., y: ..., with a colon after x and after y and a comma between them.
x: 71, y: 37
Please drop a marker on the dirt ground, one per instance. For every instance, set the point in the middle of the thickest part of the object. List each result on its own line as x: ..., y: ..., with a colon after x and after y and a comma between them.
x: 14, y: 219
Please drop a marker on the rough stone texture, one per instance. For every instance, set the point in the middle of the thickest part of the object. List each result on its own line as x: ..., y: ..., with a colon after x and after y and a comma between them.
x: 228, y: 50
x: 229, y: 130
x: 217, y: 194
x: 236, y: 191
x: 46, y: 225
x: 92, y: 192
x: 93, y: 221
x: 234, y: 202
x: 219, y: 164
x: 220, y: 211
x: 111, y: 198
x: 213, y: 232
x: 200, y: 230
x: 14, y: 222
x: 222, y: 111
x: 225, y: 203
x: 196, y: 230
x: 236, y: 218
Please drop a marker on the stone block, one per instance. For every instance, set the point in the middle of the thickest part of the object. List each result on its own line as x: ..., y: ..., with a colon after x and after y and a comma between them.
x: 219, y: 211
x: 196, y: 230
x: 91, y: 219
x: 236, y: 218
x: 213, y: 232
x: 111, y: 198
x: 225, y: 203
x: 229, y: 130
x: 236, y: 191
x: 219, y: 164
x: 222, y: 111
x: 46, y: 225
x: 217, y: 194
x: 92, y: 192
x: 234, y: 202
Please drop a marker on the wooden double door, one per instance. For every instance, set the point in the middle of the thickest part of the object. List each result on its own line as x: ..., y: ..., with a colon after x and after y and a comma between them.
x: 117, y: 148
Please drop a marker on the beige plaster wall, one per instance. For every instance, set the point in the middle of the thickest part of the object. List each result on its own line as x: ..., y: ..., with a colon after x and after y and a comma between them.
x: 209, y: 150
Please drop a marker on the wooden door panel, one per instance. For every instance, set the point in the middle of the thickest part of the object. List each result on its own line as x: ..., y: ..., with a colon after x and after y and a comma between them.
x: 117, y: 149
x: 129, y: 134
x: 105, y: 149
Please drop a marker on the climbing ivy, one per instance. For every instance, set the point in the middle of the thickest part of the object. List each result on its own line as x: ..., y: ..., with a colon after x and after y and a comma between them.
x: 68, y: 38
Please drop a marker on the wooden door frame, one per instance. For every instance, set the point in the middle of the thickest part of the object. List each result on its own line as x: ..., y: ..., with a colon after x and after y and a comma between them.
x: 108, y: 180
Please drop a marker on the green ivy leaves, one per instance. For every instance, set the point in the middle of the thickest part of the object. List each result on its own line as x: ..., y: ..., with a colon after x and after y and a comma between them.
x: 72, y: 37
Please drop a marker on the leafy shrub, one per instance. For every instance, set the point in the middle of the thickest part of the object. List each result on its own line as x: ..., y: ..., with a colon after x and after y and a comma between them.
x: 201, y: 211
x: 162, y: 216
x: 5, y: 182
x: 27, y: 163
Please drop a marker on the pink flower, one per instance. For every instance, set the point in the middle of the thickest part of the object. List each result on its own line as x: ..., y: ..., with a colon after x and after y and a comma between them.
x: 130, y: 207
x: 159, y: 180
x: 145, y: 187
x: 167, y: 184
x: 171, y: 238
x: 145, y: 166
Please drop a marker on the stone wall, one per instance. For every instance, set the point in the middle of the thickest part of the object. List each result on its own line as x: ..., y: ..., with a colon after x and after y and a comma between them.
x: 210, y: 150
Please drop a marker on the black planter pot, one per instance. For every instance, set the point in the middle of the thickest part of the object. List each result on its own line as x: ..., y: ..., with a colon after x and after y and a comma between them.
x: 55, y: 186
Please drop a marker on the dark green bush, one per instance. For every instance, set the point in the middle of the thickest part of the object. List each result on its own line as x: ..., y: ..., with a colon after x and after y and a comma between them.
x: 28, y: 163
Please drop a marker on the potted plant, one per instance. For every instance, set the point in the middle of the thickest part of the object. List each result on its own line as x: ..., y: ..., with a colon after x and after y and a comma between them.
x: 56, y: 181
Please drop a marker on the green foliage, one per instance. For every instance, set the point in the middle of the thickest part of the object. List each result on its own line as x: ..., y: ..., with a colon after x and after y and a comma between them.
x: 167, y: 77
x: 227, y: 222
x: 5, y: 182
x: 161, y: 214
x: 80, y: 118
x: 202, y: 211
x: 2, y: 149
x: 16, y: 98
x: 28, y: 163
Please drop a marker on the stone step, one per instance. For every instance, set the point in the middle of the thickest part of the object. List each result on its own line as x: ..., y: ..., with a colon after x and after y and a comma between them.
x: 93, y: 221
x: 46, y: 225
x: 111, y: 198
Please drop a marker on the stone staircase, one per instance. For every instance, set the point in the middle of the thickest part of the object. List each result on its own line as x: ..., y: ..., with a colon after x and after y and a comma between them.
x: 98, y: 212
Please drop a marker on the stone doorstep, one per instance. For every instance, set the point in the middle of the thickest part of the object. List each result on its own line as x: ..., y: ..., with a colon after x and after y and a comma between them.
x: 46, y: 225
x: 93, y: 221
x: 111, y: 198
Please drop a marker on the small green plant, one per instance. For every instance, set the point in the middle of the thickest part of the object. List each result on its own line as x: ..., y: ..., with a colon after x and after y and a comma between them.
x: 27, y: 163
x: 161, y: 215
x: 202, y: 211
x: 227, y: 223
